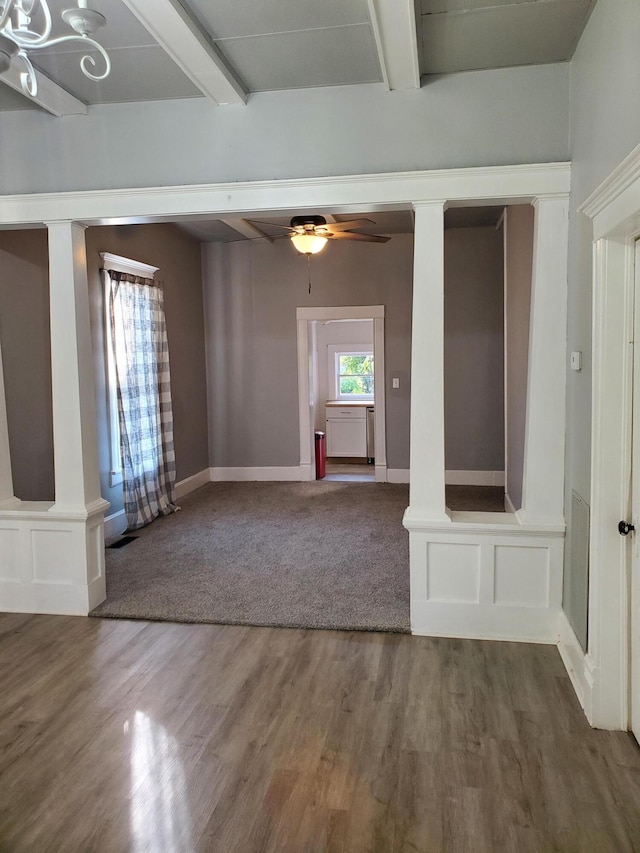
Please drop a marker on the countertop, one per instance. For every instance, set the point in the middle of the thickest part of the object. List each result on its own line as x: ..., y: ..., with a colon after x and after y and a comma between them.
x: 369, y: 404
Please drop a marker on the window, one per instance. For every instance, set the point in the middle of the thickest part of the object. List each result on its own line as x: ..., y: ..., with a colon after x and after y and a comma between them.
x: 354, y: 375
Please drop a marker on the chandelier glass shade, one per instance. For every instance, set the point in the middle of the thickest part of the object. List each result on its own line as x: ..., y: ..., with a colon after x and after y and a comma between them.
x: 308, y: 244
x: 25, y: 26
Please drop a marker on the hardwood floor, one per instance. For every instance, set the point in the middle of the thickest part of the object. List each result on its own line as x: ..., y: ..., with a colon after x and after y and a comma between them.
x: 134, y: 736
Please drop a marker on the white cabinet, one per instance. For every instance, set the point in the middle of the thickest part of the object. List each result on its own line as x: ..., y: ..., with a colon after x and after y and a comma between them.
x: 346, y: 431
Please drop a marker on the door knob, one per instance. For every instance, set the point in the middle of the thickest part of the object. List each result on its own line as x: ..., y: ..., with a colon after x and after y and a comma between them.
x: 624, y: 528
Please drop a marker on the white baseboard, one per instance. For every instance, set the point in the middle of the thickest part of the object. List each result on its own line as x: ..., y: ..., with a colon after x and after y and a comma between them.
x: 573, y: 658
x: 508, y: 504
x: 483, y: 622
x: 474, y: 478
x: 398, y: 475
x: 115, y: 524
x: 190, y: 484
x: 263, y: 474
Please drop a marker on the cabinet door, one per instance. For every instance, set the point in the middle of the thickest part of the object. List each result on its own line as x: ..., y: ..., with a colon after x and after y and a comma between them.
x: 346, y: 437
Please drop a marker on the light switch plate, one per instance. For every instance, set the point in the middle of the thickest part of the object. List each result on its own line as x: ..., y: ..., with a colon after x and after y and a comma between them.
x: 395, y: 382
x: 576, y: 361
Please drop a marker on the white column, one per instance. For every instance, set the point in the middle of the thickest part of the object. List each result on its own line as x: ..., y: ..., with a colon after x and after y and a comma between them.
x: 6, y: 479
x: 543, y: 474
x: 77, y: 485
x: 427, y: 496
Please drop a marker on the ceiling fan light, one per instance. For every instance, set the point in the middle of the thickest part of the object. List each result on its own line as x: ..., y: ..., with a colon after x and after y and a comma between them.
x: 308, y: 244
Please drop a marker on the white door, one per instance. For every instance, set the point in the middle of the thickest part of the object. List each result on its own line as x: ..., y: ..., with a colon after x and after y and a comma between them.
x: 634, y: 545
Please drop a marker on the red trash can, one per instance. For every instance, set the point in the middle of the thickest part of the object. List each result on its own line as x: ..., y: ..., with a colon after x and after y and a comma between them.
x: 321, y: 455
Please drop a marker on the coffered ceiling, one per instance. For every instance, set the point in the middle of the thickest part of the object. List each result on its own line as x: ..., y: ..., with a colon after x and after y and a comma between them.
x: 228, y: 49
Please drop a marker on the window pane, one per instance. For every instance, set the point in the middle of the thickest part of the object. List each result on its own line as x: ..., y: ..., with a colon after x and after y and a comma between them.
x: 356, y: 385
x: 356, y: 364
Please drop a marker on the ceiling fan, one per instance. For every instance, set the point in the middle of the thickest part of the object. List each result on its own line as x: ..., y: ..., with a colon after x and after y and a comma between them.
x: 309, y: 234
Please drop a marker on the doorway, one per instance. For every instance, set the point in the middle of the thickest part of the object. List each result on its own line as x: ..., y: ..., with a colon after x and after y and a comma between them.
x: 308, y: 383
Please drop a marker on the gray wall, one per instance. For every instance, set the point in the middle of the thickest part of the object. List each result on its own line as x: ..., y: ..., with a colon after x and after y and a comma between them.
x: 518, y: 263
x: 178, y: 256
x: 24, y: 331
x: 605, y: 127
x: 473, y: 350
x: 26, y: 353
x: 513, y: 115
x: 251, y: 295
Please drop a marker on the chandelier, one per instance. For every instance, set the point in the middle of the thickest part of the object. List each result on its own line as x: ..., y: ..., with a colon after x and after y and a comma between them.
x: 25, y: 25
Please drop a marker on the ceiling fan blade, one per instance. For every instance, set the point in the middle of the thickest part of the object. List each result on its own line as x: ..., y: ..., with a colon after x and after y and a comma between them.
x: 269, y: 224
x: 365, y: 238
x: 347, y: 226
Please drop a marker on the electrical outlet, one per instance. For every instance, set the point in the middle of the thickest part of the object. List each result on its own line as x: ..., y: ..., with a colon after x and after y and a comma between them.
x: 395, y: 382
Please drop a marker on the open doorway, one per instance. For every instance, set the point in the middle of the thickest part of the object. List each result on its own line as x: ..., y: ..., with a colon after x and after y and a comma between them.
x: 331, y: 341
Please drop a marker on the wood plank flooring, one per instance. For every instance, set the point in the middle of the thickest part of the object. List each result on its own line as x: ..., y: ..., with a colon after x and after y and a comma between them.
x: 133, y: 736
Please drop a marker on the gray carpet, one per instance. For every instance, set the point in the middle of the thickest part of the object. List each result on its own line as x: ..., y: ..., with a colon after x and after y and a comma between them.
x: 316, y: 555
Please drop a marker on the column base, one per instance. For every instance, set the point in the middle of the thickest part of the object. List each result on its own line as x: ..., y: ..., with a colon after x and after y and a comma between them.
x: 51, y: 561
x: 484, y: 580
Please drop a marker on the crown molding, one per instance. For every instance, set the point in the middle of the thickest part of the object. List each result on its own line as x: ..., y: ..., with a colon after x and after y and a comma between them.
x: 622, y: 177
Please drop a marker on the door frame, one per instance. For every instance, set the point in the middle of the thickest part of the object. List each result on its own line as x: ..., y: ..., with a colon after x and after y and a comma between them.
x: 614, y: 208
x: 304, y: 316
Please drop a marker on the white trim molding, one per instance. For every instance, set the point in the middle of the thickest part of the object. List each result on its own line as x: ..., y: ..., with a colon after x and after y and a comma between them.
x: 115, y: 524
x: 574, y: 659
x: 343, y: 193
x: 615, y: 210
x: 190, y: 484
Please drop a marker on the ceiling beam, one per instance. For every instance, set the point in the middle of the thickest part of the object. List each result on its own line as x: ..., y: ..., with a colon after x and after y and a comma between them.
x: 51, y: 97
x: 183, y: 39
x: 396, y: 36
x: 247, y: 229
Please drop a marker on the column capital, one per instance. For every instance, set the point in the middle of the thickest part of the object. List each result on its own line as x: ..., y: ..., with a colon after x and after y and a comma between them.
x: 430, y: 204
x: 542, y: 201
x: 52, y: 223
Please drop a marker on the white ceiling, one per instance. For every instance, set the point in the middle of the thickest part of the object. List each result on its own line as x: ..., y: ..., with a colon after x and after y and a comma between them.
x: 228, y: 49
x: 467, y: 35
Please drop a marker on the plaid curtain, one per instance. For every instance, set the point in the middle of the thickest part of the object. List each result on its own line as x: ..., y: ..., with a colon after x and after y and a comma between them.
x: 144, y: 397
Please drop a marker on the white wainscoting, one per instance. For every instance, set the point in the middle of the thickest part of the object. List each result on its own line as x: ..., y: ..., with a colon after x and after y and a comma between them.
x: 485, y: 578
x: 51, y: 561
